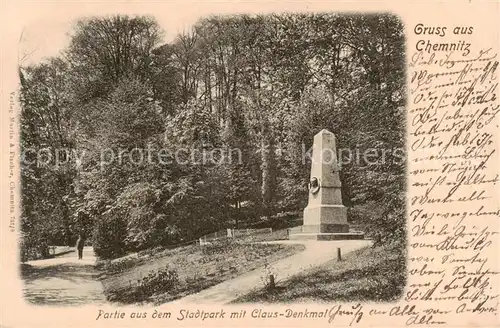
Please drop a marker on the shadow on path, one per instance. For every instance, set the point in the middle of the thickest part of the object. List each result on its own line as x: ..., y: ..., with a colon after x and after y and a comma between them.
x: 63, y: 280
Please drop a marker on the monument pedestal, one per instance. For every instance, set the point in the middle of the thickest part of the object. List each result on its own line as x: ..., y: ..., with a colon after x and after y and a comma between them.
x: 325, y: 218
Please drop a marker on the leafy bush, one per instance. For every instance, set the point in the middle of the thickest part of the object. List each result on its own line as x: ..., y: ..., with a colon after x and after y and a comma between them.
x: 28, y: 252
x: 34, y: 248
x: 158, y: 282
x: 109, y: 237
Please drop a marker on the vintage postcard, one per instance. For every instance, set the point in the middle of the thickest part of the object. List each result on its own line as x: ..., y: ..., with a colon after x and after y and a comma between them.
x: 250, y: 164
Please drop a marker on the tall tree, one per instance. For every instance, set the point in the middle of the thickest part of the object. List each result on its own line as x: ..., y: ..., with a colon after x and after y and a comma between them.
x: 104, y: 50
x: 47, y: 172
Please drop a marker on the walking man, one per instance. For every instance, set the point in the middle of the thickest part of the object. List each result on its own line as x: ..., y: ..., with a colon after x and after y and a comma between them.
x: 79, y: 245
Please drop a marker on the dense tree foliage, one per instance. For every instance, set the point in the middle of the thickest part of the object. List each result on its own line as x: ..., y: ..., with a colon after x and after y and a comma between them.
x: 249, y: 92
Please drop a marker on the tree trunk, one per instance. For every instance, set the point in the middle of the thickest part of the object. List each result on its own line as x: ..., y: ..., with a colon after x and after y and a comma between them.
x: 237, y: 219
x: 268, y: 172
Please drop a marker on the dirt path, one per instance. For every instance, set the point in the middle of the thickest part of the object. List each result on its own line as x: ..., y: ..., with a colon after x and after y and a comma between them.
x: 315, y: 254
x: 63, y: 280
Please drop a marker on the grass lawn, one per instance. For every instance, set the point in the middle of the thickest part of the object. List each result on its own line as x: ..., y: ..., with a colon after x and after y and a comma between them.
x: 186, y: 270
x: 372, y: 274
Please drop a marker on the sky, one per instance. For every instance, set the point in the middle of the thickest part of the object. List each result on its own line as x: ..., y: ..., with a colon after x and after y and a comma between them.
x: 46, y: 38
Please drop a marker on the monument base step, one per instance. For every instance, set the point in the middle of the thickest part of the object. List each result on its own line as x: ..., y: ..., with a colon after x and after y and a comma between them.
x: 321, y: 228
x: 327, y: 236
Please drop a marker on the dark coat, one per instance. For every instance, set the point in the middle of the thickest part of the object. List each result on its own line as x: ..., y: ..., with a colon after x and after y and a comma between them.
x: 80, y: 243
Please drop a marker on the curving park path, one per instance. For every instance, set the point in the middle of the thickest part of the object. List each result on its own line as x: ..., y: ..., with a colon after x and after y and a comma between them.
x: 63, y: 280
x: 315, y: 254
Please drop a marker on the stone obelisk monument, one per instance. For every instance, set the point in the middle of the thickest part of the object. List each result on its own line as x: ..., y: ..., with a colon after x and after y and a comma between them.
x: 325, y: 217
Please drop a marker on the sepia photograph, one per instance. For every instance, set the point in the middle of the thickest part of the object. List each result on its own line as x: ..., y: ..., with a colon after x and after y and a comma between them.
x: 243, y: 158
